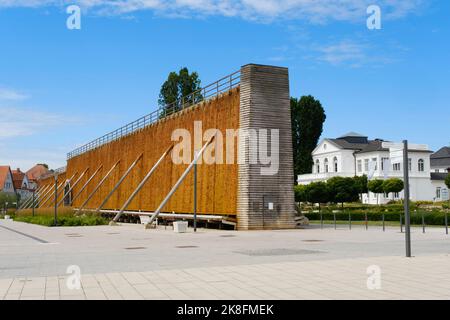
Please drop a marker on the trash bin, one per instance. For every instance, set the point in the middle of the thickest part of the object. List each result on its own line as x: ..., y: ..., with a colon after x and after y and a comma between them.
x: 180, y: 226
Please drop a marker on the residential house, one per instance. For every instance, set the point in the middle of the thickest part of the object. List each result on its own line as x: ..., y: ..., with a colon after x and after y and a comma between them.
x: 6, y: 180
x: 21, y: 184
x: 440, y: 161
x: 35, y: 173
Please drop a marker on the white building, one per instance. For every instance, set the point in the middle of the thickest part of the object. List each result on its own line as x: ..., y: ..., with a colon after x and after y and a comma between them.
x: 355, y: 155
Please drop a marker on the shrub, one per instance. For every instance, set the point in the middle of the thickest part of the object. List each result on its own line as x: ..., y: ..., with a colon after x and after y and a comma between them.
x: 393, y: 185
x: 343, y: 190
x: 300, y: 193
x: 318, y: 192
x: 430, y: 217
x: 65, y: 221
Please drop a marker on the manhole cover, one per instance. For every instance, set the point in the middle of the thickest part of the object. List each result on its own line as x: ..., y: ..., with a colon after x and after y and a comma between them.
x: 135, y: 248
x: 276, y: 252
x: 312, y: 240
x: 227, y: 236
x: 185, y: 247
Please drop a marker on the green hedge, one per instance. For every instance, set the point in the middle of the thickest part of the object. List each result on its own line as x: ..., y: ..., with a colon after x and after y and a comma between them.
x: 431, y: 217
x: 65, y: 221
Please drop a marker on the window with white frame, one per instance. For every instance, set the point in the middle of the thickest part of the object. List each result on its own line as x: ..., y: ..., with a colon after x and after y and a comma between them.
x: 335, y: 164
x: 384, y: 162
x: 438, y: 192
x: 366, y: 165
x: 317, y: 166
x: 359, y: 165
x: 326, y: 165
x: 375, y: 161
x: 396, y: 167
x: 410, y: 164
x: 421, y: 165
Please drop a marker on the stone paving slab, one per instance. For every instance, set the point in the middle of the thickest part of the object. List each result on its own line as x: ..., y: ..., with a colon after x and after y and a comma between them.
x: 400, y: 278
x: 285, y: 264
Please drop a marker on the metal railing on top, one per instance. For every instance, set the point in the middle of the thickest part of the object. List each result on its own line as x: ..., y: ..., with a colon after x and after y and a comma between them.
x: 210, y: 91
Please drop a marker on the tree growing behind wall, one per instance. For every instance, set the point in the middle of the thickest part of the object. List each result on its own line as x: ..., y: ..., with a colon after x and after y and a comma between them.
x: 177, y: 86
x: 447, y: 181
x: 376, y: 186
x: 393, y: 186
x: 308, y: 117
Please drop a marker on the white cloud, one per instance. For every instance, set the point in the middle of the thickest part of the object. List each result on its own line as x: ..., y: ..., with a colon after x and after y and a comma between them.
x: 316, y: 11
x: 11, y: 95
x: 343, y: 52
x: 16, y: 122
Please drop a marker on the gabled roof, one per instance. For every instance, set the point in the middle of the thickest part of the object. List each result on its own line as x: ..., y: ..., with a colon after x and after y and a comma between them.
x: 344, y: 144
x: 17, y: 177
x: 441, y: 153
x: 36, y: 172
x: 4, y: 171
x: 441, y: 158
x: 373, y: 146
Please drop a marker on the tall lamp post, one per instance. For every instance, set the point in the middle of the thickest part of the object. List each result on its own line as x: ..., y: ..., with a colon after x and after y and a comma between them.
x: 56, y: 200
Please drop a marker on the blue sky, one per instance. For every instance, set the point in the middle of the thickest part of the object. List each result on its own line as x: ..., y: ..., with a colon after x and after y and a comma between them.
x: 61, y: 88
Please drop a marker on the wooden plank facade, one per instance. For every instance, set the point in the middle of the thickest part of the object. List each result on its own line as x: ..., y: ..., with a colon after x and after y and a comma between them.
x: 261, y: 101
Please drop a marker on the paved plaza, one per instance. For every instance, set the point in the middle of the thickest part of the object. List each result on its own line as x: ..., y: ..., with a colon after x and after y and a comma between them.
x: 128, y: 262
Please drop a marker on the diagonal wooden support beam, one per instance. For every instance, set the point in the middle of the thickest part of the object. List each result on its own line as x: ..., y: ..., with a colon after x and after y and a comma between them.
x: 42, y: 196
x: 175, y: 187
x: 39, y: 195
x: 59, y: 187
x: 139, y: 187
x: 86, y: 184
x: 98, y: 186
x: 71, y: 187
x: 119, y: 182
x: 27, y: 202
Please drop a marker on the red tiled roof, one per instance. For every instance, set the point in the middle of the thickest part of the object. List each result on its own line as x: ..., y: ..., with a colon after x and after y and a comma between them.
x: 17, y: 177
x: 36, y: 172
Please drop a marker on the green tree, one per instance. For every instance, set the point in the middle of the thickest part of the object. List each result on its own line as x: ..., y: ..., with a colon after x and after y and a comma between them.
x: 300, y: 193
x: 318, y: 192
x: 447, y: 181
x: 307, y: 118
x: 376, y: 186
x: 7, y: 198
x: 361, y: 184
x: 343, y: 190
x: 176, y: 91
x: 393, y: 186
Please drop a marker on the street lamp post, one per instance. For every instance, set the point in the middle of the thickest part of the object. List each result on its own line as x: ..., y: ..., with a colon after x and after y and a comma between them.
x: 406, y: 202
x: 56, y: 200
